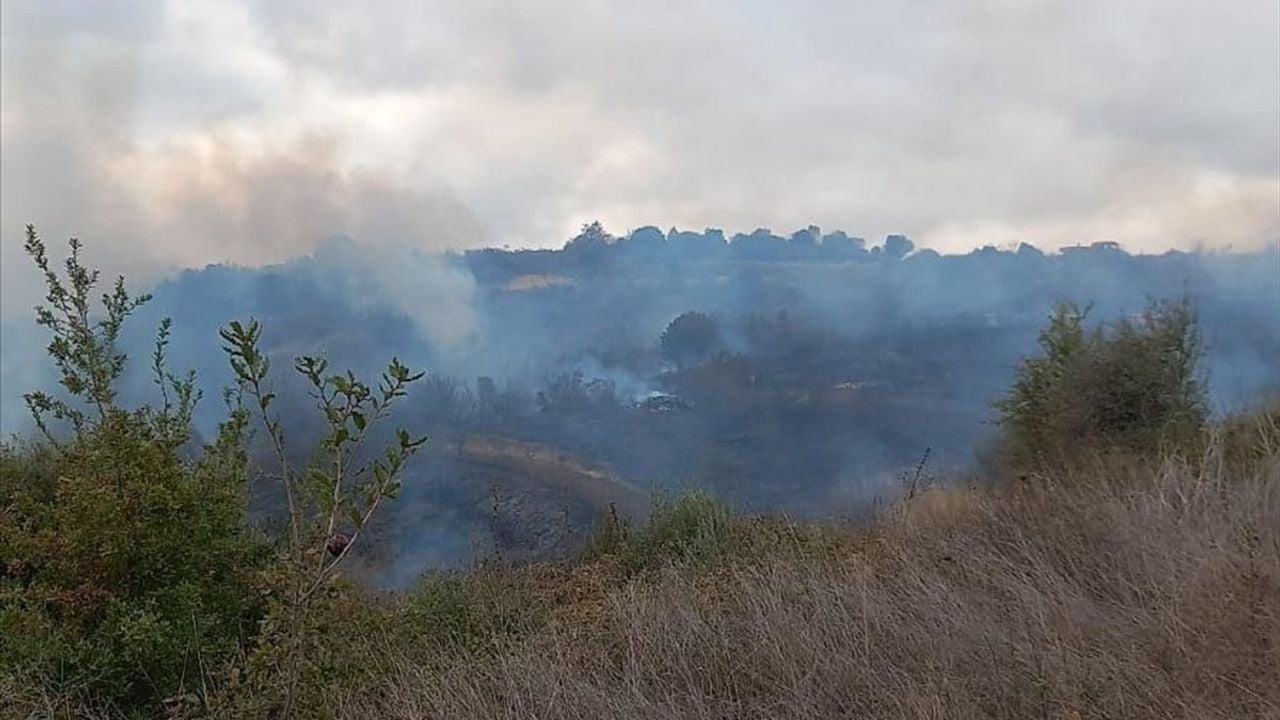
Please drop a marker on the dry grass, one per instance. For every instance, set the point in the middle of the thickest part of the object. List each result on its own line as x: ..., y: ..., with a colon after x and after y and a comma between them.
x: 1121, y: 588
x: 1120, y: 591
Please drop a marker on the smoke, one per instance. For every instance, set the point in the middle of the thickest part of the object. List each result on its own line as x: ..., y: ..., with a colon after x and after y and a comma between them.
x: 206, y: 150
x: 843, y: 363
x: 435, y: 294
x: 158, y: 187
x: 87, y: 153
x: 177, y: 134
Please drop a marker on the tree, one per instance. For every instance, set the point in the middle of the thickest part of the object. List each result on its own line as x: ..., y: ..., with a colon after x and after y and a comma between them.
x: 593, y: 234
x: 128, y: 577
x: 330, y: 503
x: 591, y: 250
x: 126, y: 570
x: 689, y: 338
x: 898, y: 246
x: 1135, y: 385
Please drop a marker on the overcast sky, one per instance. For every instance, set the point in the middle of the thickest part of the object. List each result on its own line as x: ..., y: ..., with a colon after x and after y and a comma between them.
x: 172, y: 134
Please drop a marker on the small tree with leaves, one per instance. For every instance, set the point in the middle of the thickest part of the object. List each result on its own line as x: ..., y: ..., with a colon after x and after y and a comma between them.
x: 330, y: 502
x: 128, y: 577
x: 126, y: 570
x: 689, y: 338
x: 1134, y: 385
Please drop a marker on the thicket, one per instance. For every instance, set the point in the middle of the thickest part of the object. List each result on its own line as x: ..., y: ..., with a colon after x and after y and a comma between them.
x: 1135, y: 385
x: 129, y: 579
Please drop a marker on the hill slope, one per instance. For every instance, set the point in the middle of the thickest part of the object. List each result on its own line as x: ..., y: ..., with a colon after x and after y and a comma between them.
x: 1115, y: 588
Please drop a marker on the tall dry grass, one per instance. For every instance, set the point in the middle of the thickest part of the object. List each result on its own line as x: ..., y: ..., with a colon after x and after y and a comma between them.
x: 1119, y: 589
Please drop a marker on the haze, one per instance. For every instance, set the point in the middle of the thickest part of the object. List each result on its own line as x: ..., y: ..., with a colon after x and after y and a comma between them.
x: 176, y: 134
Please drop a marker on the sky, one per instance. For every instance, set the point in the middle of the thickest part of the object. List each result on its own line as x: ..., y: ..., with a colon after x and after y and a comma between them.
x: 176, y: 134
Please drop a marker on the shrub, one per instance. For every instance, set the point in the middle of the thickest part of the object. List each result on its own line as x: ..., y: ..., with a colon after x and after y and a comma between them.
x: 689, y: 338
x: 1247, y: 436
x: 1134, y: 385
x: 329, y: 506
x: 693, y: 528
x: 129, y: 581
x: 125, y: 566
x: 469, y: 611
x: 295, y: 656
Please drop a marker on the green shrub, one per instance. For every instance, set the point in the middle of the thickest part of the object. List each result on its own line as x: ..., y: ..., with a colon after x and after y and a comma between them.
x: 469, y: 611
x: 329, y: 505
x: 129, y: 580
x: 609, y: 535
x: 689, y: 338
x: 125, y: 567
x: 1133, y: 385
x: 692, y: 528
x: 295, y: 657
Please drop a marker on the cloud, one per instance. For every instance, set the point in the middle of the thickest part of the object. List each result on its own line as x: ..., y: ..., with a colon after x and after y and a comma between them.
x: 103, y: 140
x: 174, y: 133
x: 920, y: 116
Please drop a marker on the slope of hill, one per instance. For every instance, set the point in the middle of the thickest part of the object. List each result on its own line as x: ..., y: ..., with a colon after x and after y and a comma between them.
x: 1118, y: 587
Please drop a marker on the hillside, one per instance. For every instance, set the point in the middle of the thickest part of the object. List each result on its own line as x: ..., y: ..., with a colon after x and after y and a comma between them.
x: 1120, y: 588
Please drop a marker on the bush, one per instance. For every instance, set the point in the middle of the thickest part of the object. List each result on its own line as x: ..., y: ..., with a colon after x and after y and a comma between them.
x: 125, y: 567
x: 469, y: 611
x: 132, y: 582
x: 1134, y: 385
x: 693, y: 528
x: 689, y: 338
x: 129, y: 580
x: 294, y: 656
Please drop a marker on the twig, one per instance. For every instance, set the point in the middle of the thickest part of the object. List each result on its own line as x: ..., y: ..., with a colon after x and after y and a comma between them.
x: 915, y: 479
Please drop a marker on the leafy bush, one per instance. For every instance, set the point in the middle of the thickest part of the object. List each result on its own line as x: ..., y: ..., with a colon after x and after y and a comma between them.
x: 294, y: 656
x: 693, y: 528
x: 329, y: 505
x: 125, y: 566
x: 1134, y: 385
x: 129, y: 580
x: 468, y: 611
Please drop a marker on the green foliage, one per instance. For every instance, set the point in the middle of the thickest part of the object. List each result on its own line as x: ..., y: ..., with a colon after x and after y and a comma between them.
x: 295, y: 656
x: 82, y: 348
x: 1250, y: 436
x: 330, y: 502
x: 125, y: 567
x: 342, y: 486
x: 1134, y: 385
x: 693, y: 528
x: 350, y: 641
x: 129, y: 580
x: 469, y: 611
x: 609, y: 536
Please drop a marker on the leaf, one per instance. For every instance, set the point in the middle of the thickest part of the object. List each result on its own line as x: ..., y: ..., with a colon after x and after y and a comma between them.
x: 354, y: 516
